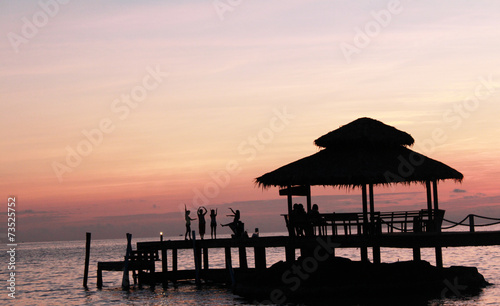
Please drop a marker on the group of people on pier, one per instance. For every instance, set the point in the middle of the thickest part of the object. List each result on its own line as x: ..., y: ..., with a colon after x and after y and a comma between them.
x: 236, y: 226
x: 302, y: 222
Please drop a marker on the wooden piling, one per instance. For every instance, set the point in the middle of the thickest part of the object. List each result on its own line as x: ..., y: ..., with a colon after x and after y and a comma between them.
x: 205, y: 259
x: 416, y: 254
x: 125, y: 279
x: 290, y: 253
x: 174, y: 265
x: 196, y: 259
x: 243, y: 258
x: 87, y: 260
x: 164, y: 264
x: 260, y: 258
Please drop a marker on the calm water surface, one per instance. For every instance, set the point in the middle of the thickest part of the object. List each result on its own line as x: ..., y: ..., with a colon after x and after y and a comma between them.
x: 51, y: 273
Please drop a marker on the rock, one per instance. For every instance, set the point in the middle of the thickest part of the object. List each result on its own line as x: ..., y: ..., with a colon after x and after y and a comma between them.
x: 345, y: 281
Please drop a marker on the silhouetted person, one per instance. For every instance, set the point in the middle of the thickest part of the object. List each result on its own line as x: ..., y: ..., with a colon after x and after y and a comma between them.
x: 188, y: 222
x: 213, y: 223
x: 300, y: 218
x: 202, y: 211
x: 256, y: 233
x: 236, y: 226
x: 314, y: 219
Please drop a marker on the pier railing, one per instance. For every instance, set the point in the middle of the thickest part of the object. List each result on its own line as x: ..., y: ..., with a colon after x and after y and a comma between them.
x: 470, y: 221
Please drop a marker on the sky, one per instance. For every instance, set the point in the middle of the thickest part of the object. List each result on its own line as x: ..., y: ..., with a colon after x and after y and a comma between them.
x: 116, y: 114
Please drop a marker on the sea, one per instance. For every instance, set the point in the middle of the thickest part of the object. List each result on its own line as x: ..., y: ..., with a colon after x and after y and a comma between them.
x: 51, y: 273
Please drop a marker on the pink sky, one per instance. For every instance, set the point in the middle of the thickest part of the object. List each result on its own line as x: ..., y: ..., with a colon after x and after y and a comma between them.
x: 179, y: 98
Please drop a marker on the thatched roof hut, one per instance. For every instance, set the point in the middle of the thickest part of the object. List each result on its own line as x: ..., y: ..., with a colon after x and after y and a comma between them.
x: 365, y: 151
x: 363, y: 132
x: 354, y: 168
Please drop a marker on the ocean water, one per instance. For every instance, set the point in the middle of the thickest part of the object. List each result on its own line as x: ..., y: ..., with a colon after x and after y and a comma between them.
x: 51, y: 273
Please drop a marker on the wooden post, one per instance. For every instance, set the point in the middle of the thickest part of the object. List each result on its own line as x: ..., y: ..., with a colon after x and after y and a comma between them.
x: 308, y: 198
x: 471, y: 223
x: 164, y: 265
x: 227, y: 251
x: 205, y: 258
x: 372, y: 206
x: 174, y: 265
x: 243, y: 258
x: 416, y: 254
x: 229, y: 265
x: 87, y: 260
x: 99, y: 277
x: 125, y: 279
x: 196, y: 259
x: 437, y: 227
x: 429, y: 199
x: 439, y: 257
x: 373, y: 226
x: 291, y: 225
x: 260, y: 258
x: 289, y: 253
x: 364, y: 250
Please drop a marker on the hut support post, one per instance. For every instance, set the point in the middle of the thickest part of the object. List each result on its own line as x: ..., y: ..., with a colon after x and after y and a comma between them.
x: 373, y: 226
x: 364, y: 250
x: 429, y: 198
x: 308, y: 197
x: 291, y: 227
x: 437, y: 226
x: 87, y: 259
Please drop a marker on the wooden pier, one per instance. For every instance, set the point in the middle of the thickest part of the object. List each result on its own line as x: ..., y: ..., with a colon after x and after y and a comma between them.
x: 147, y: 253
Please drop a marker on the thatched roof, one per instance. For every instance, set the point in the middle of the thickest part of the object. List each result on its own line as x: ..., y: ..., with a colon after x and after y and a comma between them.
x: 352, y: 168
x: 365, y: 131
x: 365, y: 151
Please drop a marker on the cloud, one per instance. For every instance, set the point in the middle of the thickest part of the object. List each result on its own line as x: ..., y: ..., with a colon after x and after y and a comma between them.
x: 456, y: 190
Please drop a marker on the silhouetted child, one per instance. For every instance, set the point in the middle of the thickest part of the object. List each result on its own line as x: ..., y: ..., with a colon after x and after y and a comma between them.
x: 213, y: 223
x: 236, y: 226
x: 202, y: 211
x: 188, y: 222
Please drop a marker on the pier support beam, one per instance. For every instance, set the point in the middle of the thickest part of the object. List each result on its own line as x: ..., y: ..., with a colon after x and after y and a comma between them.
x: 243, y: 258
x: 260, y: 258
x: 416, y: 254
x: 174, y: 265
x: 164, y: 265
x: 290, y: 253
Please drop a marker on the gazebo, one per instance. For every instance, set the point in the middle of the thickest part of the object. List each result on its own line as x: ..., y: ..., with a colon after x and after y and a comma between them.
x: 361, y: 154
